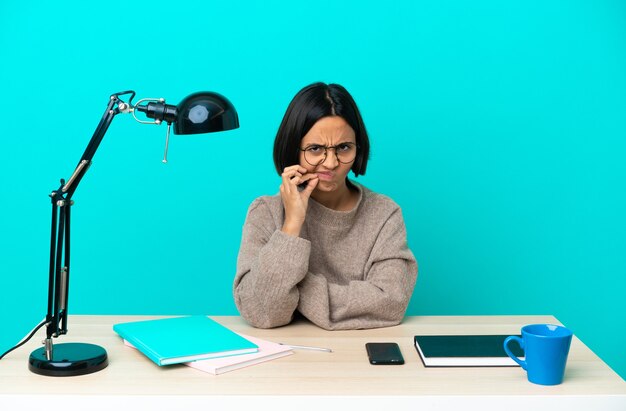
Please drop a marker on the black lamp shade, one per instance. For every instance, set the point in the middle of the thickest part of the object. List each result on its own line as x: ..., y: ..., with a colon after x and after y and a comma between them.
x: 205, y: 112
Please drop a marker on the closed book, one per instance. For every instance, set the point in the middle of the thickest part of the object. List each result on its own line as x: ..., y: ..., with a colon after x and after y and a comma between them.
x: 183, y: 339
x: 465, y: 351
x: 267, y: 351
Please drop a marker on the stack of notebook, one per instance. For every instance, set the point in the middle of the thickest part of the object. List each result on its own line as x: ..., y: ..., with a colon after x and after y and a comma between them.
x: 198, y: 342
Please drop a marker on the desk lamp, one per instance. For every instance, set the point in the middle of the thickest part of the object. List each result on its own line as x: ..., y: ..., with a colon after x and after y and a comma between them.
x: 203, y: 112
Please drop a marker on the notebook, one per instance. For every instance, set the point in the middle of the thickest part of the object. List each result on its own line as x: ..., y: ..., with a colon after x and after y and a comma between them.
x: 183, y: 339
x: 465, y: 351
x: 267, y: 351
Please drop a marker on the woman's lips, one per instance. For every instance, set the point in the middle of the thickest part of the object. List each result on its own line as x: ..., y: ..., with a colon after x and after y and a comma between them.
x: 325, y: 176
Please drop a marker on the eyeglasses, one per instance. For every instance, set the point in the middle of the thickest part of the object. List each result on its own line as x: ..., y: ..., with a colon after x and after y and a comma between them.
x: 315, y: 154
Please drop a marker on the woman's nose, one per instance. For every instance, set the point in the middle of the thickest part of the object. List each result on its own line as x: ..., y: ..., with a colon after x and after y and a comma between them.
x: 330, y: 161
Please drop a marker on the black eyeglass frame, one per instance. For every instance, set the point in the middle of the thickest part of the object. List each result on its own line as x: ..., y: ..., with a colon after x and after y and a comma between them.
x: 356, y: 146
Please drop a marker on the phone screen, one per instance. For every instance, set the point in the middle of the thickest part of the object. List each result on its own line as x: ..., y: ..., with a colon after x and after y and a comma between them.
x: 384, y: 353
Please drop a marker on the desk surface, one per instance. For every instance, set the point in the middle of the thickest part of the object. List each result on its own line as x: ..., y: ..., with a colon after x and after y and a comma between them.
x: 345, y: 372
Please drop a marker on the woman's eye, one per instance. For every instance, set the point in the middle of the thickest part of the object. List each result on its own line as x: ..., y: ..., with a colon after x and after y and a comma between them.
x: 344, y: 147
x: 314, y: 149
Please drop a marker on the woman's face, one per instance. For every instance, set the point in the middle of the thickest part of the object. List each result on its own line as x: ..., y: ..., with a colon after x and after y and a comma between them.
x: 335, y: 132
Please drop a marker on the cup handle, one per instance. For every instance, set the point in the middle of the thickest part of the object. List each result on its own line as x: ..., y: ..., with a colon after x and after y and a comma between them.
x: 510, y: 354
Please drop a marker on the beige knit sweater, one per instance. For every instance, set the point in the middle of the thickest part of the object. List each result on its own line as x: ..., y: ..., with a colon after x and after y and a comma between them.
x: 347, y: 270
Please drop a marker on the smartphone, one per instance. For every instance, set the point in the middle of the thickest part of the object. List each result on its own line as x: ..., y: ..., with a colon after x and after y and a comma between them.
x: 385, y: 353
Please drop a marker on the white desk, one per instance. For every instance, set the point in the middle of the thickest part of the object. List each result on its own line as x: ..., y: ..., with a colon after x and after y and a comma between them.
x: 313, y: 380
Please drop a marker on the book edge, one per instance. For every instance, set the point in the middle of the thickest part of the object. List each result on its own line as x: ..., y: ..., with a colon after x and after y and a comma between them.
x: 217, y: 370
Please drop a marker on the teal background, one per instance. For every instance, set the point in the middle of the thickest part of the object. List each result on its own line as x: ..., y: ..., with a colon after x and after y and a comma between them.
x: 499, y: 127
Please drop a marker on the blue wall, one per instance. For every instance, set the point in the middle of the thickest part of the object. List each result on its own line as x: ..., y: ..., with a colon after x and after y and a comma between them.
x: 499, y: 127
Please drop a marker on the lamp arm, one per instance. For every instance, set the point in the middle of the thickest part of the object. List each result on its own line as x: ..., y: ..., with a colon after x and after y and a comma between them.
x: 115, y: 106
x: 59, y: 269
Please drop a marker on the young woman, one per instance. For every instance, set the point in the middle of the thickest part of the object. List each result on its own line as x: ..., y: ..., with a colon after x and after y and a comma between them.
x: 325, y: 247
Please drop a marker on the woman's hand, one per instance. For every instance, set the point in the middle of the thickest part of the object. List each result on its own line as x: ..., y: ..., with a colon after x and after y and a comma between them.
x: 295, y: 201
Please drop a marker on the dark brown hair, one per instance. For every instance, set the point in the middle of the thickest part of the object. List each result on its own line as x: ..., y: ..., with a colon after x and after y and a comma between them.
x: 312, y: 103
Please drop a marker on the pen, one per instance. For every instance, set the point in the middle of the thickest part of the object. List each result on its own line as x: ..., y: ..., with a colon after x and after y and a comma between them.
x: 306, y: 347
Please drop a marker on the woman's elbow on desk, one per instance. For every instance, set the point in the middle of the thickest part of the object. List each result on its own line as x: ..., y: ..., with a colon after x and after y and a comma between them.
x: 265, y: 319
x: 261, y: 317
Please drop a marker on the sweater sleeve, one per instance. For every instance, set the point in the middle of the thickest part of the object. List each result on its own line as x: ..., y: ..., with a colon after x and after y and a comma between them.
x: 269, y: 266
x: 379, y: 300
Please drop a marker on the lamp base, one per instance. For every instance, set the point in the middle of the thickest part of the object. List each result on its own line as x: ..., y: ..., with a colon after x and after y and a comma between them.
x: 69, y: 359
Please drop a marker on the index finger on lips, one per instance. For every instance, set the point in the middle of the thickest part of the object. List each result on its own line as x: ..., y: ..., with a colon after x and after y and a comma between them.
x: 308, y: 176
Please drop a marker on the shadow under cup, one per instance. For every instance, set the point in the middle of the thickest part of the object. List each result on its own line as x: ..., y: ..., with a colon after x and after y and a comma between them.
x: 546, y: 348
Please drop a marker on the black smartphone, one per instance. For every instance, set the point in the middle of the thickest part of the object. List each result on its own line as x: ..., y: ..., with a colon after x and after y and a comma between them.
x: 384, y: 353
